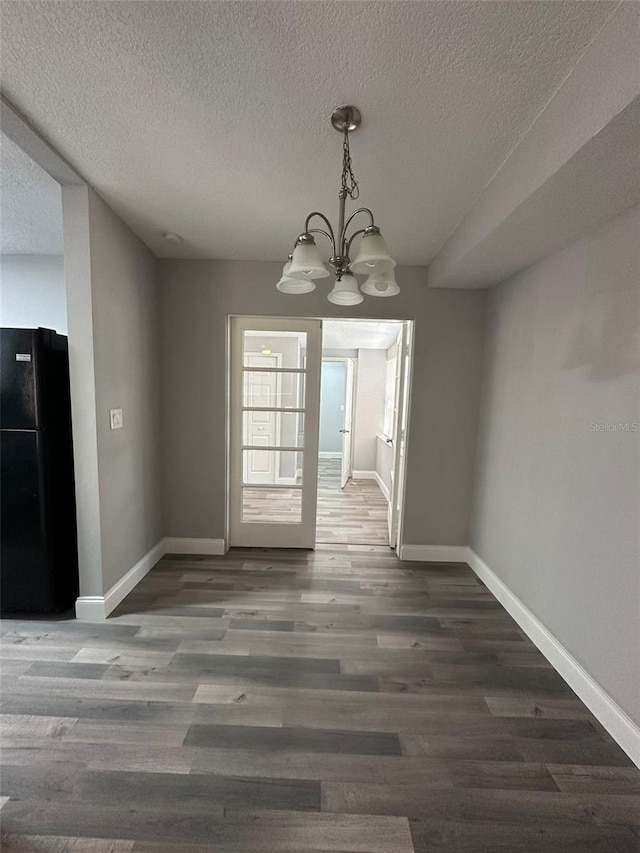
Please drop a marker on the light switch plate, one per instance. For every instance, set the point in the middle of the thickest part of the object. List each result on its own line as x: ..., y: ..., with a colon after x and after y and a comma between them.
x: 115, y: 418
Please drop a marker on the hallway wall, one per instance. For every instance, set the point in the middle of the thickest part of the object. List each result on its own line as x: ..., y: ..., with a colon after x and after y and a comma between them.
x: 113, y: 359
x: 369, y: 409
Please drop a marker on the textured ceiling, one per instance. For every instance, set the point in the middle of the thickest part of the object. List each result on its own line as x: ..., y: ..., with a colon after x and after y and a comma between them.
x: 600, y: 182
x: 30, y: 205
x: 351, y: 334
x: 210, y: 119
x: 577, y: 167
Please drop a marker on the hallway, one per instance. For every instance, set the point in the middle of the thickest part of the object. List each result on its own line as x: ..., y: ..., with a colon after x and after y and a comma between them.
x: 289, y: 701
x: 355, y: 515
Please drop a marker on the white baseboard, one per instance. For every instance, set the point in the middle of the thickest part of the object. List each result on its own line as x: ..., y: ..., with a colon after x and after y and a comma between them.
x: 621, y: 728
x: 382, y: 484
x: 363, y: 475
x: 94, y: 608
x: 97, y: 607
x: 211, y: 547
x: 435, y: 553
x: 91, y: 608
x: 325, y: 454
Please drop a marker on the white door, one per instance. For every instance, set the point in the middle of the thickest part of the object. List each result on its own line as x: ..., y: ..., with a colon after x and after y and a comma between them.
x: 400, y: 420
x: 347, y: 428
x: 261, y: 425
x: 275, y: 392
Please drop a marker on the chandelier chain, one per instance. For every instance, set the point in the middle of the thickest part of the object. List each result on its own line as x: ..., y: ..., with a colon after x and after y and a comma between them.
x: 349, y: 184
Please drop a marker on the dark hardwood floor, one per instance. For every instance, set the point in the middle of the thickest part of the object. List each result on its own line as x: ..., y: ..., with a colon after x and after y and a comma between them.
x: 272, y: 701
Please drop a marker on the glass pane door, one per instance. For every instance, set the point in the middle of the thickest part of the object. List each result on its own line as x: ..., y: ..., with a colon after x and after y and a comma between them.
x: 275, y: 388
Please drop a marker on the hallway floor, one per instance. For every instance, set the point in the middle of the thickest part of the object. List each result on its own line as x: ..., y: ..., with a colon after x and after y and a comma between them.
x: 356, y: 514
x: 290, y: 701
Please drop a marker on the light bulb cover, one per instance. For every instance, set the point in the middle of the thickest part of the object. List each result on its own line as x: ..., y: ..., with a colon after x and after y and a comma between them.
x: 346, y: 291
x: 307, y: 262
x: 373, y: 254
x: 381, y: 284
x: 295, y: 285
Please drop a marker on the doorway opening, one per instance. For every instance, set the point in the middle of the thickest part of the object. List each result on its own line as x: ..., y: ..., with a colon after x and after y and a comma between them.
x: 297, y: 476
x: 362, y: 397
x: 38, y: 547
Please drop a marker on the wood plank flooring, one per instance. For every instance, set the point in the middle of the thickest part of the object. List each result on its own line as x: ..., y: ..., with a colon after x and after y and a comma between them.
x: 287, y: 701
x: 356, y: 514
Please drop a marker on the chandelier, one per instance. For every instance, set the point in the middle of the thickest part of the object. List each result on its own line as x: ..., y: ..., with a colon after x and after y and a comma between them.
x: 372, y: 258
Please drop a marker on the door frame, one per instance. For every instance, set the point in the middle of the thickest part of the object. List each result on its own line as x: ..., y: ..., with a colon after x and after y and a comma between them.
x: 346, y: 359
x: 408, y: 404
x: 338, y: 358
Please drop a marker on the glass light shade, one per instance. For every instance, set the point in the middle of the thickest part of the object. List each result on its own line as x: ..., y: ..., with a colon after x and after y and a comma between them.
x: 293, y: 285
x: 372, y: 256
x: 346, y: 291
x: 307, y: 263
x: 381, y: 284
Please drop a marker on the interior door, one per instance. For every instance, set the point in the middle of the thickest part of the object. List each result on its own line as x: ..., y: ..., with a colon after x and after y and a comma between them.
x: 401, y: 414
x: 347, y: 429
x: 274, y: 413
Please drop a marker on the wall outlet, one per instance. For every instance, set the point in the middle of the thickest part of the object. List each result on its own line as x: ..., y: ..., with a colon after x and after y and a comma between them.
x: 115, y: 418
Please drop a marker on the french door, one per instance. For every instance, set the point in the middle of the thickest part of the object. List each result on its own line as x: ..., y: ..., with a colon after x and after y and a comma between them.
x: 400, y: 419
x: 274, y: 409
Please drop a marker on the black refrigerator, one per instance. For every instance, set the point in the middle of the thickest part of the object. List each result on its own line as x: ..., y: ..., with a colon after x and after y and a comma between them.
x: 38, y: 543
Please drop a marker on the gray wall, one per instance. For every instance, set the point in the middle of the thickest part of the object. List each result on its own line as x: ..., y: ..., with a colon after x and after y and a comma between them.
x: 557, y: 498
x: 197, y: 296
x: 114, y: 359
x: 32, y: 292
x: 369, y: 409
x: 77, y: 248
x: 332, y: 396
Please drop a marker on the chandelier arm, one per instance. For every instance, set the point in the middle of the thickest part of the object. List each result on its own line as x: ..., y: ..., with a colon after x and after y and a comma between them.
x: 351, y: 239
x: 326, y: 222
x: 326, y: 234
x: 343, y: 239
